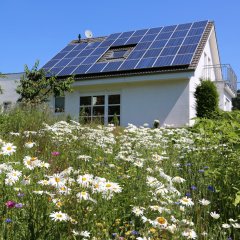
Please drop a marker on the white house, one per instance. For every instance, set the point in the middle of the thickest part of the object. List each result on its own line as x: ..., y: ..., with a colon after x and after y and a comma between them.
x: 8, y: 83
x: 143, y: 75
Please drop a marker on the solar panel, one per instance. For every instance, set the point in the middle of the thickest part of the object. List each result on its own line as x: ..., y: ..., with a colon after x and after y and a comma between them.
x: 72, y: 54
x: 69, y: 48
x: 98, y: 67
x: 60, y: 55
x: 192, y: 40
x: 77, y: 61
x: 114, y: 36
x: 120, y: 42
x: 50, y: 64
x: 169, y: 51
x: 165, y: 35
x: 185, y: 26
x: 81, y: 69
x: 149, y: 48
x: 90, y: 60
x: 196, y: 31
x: 112, y: 66
x: 140, y: 32
x: 181, y: 33
x: 154, y: 30
x: 134, y: 40
x: 63, y: 62
x: 187, y: 49
x: 128, y: 64
x: 54, y: 71
x: 99, y: 51
x: 141, y: 46
x: 145, y: 63
x: 163, y: 61
x: 66, y: 71
x: 159, y: 44
x: 174, y: 42
x: 169, y: 28
x: 152, y: 52
x: 182, y: 59
x: 126, y: 34
x: 93, y: 45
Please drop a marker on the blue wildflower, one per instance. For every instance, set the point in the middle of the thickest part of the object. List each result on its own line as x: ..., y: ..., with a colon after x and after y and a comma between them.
x: 211, y: 188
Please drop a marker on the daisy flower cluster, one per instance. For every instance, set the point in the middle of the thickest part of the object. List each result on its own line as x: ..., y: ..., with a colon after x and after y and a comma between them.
x: 72, y: 181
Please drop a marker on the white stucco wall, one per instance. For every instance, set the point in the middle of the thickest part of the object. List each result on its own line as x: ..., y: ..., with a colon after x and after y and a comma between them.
x: 9, y: 83
x: 164, y: 97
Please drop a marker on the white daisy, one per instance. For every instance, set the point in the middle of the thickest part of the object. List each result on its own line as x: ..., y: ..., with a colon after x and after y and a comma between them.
x: 8, y: 149
x: 85, y: 234
x: 186, y: 201
x: 59, y: 216
x: 29, y: 144
x: 189, y: 234
x: 225, y: 225
x: 215, y: 215
x: 204, y: 202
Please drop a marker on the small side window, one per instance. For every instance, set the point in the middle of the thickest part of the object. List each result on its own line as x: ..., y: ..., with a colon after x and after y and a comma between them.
x: 59, y: 104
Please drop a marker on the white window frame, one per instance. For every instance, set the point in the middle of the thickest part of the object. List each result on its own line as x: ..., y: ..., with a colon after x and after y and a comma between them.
x: 106, y: 105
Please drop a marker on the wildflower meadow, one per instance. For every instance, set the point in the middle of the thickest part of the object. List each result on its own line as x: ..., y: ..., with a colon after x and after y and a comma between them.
x: 63, y: 180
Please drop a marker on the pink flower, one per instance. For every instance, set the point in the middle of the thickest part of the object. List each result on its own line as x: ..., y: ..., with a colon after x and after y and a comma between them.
x: 10, y: 204
x: 55, y: 153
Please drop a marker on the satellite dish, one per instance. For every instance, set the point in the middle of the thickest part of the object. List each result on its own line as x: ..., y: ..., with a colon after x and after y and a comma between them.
x: 88, y: 34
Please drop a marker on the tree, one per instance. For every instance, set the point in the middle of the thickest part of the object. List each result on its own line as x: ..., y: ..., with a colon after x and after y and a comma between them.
x: 207, y: 99
x: 35, y: 87
x: 236, y: 101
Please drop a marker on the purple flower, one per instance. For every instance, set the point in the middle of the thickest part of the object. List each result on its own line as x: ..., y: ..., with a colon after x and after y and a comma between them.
x: 114, y: 235
x: 10, y: 204
x: 20, y: 194
x: 201, y: 170
x: 211, y: 188
x: 18, y: 205
x: 193, y: 187
x: 134, y: 232
x: 8, y: 220
x: 188, y: 194
x: 55, y: 153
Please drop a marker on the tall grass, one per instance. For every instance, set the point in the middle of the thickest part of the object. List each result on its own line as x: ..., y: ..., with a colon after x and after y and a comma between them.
x: 71, y: 181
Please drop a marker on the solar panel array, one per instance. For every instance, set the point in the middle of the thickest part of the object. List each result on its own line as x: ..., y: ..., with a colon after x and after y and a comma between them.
x: 153, y: 48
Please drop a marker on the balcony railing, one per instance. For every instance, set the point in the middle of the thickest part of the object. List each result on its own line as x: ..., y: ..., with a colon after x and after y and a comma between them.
x: 221, y: 72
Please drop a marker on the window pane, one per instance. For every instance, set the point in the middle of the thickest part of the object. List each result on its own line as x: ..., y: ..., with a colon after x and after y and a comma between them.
x: 59, y: 104
x: 114, y: 110
x: 114, y: 120
x: 85, y: 101
x: 98, y: 120
x: 114, y: 99
x: 98, y: 111
x: 98, y: 100
x: 85, y: 111
x: 84, y: 119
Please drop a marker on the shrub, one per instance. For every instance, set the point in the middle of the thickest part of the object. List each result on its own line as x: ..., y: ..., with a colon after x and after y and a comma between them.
x: 207, y: 99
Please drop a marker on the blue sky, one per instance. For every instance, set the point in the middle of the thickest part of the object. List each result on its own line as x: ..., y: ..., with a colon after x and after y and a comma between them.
x: 37, y: 30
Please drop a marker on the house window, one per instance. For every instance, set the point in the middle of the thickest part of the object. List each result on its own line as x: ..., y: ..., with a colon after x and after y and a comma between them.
x: 59, y: 104
x: 100, y: 109
x: 119, y: 53
x: 114, y: 108
x: 92, y: 109
x: 7, y: 106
